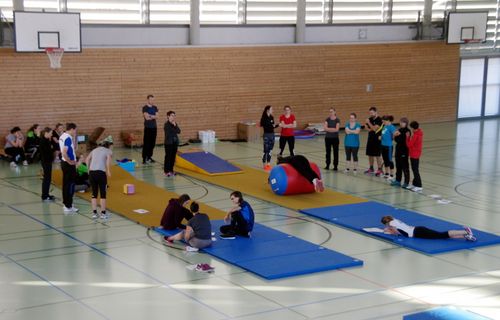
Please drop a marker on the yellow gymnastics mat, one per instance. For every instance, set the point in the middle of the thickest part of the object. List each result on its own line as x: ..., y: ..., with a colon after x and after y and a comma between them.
x: 253, y: 182
x: 147, y: 196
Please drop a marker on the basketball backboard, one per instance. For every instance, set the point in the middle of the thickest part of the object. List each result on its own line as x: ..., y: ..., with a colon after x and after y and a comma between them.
x: 37, y: 31
x: 465, y: 26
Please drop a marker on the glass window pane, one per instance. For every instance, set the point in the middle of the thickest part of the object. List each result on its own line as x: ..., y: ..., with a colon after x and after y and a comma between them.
x: 6, y: 8
x: 39, y: 5
x: 407, y: 10
x: 471, y: 88
x: 219, y: 11
x: 317, y: 11
x: 169, y: 11
x: 108, y: 11
x: 492, y: 103
x: 271, y: 11
x: 355, y: 11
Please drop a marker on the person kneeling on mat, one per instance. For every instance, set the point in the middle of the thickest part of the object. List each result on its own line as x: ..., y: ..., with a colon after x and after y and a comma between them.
x: 240, y: 218
x: 398, y: 227
x: 301, y: 164
x: 175, y: 212
x: 198, y: 233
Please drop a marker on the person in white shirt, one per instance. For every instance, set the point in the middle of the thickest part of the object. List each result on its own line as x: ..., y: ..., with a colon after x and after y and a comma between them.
x: 398, y: 227
x: 68, y: 166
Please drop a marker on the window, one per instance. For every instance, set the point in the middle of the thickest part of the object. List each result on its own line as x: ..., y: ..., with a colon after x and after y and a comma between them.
x: 6, y: 9
x: 492, y: 103
x: 271, y: 11
x: 470, y: 96
x: 355, y: 11
x: 39, y: 5
x: 98, y: 11
x: 317, y: 11
x: 407, y: 10
x: 219, y: 11
x: 169, y: 11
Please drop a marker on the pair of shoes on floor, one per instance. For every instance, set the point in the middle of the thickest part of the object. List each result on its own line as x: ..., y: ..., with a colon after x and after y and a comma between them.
x: 204, y: 267
x: 103, y: 216
x: 469, y: 236
x: 395, y: 183
x: 49, y: 198
x: 417, y: 189
x: 227, y: 236
x: 71, y: 210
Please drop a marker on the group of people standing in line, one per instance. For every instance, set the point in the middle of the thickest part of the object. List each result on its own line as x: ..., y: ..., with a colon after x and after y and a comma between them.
x: 380, y: 145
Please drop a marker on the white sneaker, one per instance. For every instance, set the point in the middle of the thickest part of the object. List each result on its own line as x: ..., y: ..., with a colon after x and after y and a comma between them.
x: 67, y: 210
x: 95, y: 215
x: 74, y: 209
x: 346, y: 171
x: 104, y: 216
x: 13, y: 164
x: 191, y: 249
x: 25, y: 163
x: 409, y: 187
x: 417, y: 189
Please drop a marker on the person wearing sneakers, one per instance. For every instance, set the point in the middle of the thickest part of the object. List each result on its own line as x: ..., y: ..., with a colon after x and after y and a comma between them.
x: 386, y: 139
x: 287, y: 124
x: 239, y: 219
x: 46, y: 159
x: 414, y: 143
x: 303, y: 167
x: 402, y: 165
x: 99, y: 162
x: 14, y: 147
x: 332, y: 127
x: 373, y: 124
x: 171, y: 130
x: 198, y: 232
x: 267, y: 123
x: 175, y: 212
x: 398, y: 227
x: 351, y: 143
x: 150, y: 114
x: 68, y: 166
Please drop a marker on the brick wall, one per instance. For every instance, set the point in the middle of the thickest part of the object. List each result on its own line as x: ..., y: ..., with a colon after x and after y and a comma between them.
x: 214, y: 88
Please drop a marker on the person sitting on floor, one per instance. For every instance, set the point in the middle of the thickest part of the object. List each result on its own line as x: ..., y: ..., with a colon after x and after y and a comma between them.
x: 398, y: 227
x: 82, y: 181
x: 14, y: 147
x: 303, y: 167
x: 198, y: 233
x: 175, y: 212
x: 240, y: 218
x: 32, y: 145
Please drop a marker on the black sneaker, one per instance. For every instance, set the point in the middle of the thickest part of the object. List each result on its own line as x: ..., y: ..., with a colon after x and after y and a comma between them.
x: 327, y: 168
x: 227, y: 236
x: 335, y: 169
x: 152, y: 160
x: 49, y: 199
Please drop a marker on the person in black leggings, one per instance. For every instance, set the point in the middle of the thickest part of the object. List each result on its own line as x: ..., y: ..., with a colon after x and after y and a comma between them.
x: 99, y: 161
x: 398, y: 227
x: 303, y: 167
x: 267, y: 123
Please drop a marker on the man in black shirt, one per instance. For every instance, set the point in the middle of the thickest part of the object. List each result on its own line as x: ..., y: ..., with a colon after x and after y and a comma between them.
x: 374, y: 126
x: 149, y: 112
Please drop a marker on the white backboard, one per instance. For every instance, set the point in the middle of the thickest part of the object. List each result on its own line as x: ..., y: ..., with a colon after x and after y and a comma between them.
x: 37, y: 31
x: 467, y: 25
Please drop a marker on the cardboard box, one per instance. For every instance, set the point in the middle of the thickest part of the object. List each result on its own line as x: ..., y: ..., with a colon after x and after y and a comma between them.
x: 248, y: 132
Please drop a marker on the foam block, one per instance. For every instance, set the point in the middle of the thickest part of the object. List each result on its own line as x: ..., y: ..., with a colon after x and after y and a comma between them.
x: 368, y: 215
x: 128, y: 188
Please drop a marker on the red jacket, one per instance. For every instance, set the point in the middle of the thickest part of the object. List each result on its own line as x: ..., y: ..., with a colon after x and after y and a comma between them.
x: 414, y: 143
x: 174, y: 214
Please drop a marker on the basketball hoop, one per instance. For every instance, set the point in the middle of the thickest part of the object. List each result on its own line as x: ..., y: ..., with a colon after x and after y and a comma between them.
x: 55, y: 56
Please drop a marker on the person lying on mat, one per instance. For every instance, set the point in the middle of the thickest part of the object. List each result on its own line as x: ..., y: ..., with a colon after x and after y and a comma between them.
x: 301, y: 164
x: 398, y: 227
x: 198, y: 233
x: 239, y: 219
x: 175, y: 212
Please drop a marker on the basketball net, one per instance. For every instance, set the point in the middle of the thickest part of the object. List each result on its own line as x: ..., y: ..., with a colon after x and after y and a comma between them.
x: 55, y: 56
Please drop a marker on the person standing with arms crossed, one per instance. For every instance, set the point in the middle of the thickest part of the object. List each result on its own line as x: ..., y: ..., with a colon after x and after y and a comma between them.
x: 332, y: 126
x: 171, y: 144
x: 68, y: 166
x: 373, y: 124
x: 287, y: 124
x: 149, y: 111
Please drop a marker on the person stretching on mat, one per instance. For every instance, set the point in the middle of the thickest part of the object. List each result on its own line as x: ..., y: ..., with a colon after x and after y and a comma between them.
x: 198, y: 233
x: 240, y: 218
x: 175, y: 212
x: 303, y: 167
x: 398, y: 227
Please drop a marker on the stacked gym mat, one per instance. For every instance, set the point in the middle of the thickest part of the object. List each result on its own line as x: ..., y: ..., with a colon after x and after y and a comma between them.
x: 273, y: 254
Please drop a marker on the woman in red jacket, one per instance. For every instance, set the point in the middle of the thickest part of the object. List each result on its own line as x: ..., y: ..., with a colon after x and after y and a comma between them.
x: 175, y: 213
x: 414, y: 143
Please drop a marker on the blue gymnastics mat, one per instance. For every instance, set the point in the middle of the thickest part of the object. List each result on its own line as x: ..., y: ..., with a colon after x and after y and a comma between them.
x: 209, y: 162
x: 445, y: 313
x: 368, y: 214
x: 273, y: 254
